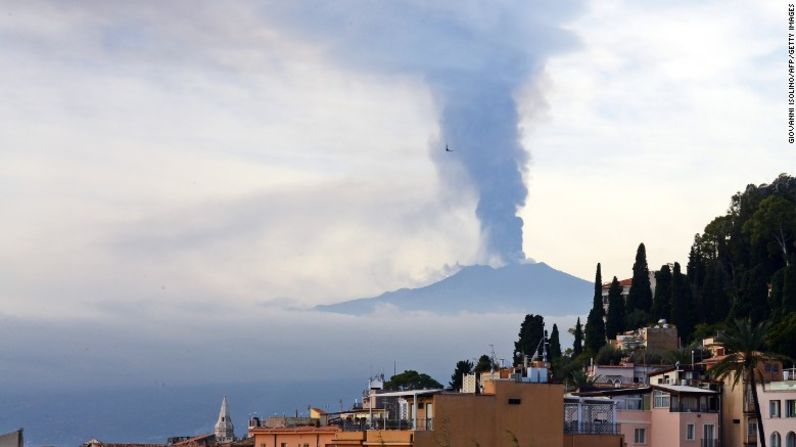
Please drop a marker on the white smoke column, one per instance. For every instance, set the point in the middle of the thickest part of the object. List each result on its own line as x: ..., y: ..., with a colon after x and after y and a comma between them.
x: 474, y: 56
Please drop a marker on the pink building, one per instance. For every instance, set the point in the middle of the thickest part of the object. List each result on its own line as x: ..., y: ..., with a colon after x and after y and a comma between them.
x: 666, y: 415
x: 778, y: 408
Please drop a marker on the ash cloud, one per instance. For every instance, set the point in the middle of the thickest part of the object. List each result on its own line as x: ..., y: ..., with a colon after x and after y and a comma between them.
x: 473, y: 56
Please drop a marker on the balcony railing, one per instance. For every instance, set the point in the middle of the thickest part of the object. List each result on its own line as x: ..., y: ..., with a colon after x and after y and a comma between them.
x: 709, y: 443
x: 389, y: 424
x: 592, y: 428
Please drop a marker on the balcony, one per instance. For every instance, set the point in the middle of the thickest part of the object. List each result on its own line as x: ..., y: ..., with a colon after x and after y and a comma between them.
x: 389, y: 424
x: 709, y: 443
x: 591, y: 428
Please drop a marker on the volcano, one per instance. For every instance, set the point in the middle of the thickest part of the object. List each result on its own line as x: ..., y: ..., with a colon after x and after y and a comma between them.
x: 515, y: 288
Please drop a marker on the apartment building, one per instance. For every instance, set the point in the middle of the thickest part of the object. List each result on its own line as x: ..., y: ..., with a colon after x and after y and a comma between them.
x: 778, y: 408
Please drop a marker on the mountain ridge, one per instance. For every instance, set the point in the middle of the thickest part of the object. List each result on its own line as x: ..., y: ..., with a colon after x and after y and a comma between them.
x: 529, y: 288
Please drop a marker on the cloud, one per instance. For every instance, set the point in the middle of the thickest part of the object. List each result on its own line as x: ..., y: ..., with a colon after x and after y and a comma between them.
x: 662, y: 113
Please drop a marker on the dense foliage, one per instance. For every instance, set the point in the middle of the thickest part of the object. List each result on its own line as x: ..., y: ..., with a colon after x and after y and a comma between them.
x: 411, y: 380
x: 743, y: 265
x: 531, y: 333
x: 462, y: 367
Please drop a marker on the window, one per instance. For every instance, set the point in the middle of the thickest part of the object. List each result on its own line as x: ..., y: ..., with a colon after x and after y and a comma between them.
x: 708, y: 433
x: 514, y: 401
x: 790, y: 408
x: 661, y: 400
x: 690, y: 431
x: 790, y: 440
x: 640, y: 436
x: 774, y: 409
x: 776, y: 440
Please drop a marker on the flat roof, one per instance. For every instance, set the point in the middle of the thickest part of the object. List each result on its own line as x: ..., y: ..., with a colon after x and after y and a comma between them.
x: 684, y: 389
x: 407, y: 393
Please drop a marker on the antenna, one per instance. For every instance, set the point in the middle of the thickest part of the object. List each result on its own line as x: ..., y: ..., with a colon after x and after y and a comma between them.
x: 492, y: 358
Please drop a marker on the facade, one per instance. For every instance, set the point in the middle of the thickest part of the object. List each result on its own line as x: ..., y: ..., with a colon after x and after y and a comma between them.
x: 739, y: 424
x: 294, y: 436
x: 624, y: 375
x: 659, y: 338
x: 679, y: 408
x: 778, y: 408
x: 625, y: 284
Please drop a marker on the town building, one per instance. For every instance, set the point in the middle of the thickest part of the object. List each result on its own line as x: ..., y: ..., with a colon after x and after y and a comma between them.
x: 625, y: 285
x: 512, y: 406
x: 777, y: 400
x: 624, y: 375
x: 659, y: 338
x: 13, y: 439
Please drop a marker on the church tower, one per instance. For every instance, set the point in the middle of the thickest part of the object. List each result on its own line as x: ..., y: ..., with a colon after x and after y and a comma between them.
x: 225, y: 431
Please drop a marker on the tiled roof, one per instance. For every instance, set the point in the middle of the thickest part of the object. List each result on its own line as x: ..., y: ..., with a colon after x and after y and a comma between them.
x: 624, y: 283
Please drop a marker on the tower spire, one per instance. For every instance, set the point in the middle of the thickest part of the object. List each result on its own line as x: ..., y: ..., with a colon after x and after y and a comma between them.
x: 224, y: 430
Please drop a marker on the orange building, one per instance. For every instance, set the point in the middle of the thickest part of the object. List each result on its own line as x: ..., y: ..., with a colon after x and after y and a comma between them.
x: 294, y: 436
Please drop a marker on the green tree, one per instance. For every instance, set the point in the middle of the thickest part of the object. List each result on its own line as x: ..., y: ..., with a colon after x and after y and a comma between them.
x: 411, y: 380
x: 579, y: 380
x: 662, y: 302
x: 462, y: 367
x: 782, y: 335
x: 745, y: 343
x: 531, y: 333
x: 775, y: 218
x: 752, y: 298
x: 608, y: 355
x: 640, y: 295
x: 715, y: 302
x: 682, y: 303
x: 577, y: 345
x: 484, y: 364
x: 555, y: 344
x: 595, y: 325
x: 615, y: 320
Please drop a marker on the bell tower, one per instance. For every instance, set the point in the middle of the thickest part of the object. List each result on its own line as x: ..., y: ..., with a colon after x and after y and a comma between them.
x: 225, y: 431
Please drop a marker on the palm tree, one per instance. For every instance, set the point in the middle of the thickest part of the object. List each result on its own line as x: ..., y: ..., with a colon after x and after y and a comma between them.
x: 745, y: 343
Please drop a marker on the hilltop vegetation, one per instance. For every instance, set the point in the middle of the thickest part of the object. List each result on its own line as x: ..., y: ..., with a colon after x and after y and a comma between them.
x: 742, y: 265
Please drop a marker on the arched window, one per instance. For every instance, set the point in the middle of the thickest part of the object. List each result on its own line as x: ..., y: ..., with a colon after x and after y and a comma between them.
x: 776, y: 440
x: 790, y: 441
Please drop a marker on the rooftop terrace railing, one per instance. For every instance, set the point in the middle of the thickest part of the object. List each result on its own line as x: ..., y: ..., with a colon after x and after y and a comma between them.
x: 389, y: 424
x: 591, y: 428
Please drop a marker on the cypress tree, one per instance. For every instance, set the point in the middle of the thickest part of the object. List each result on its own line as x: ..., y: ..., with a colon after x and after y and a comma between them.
x: 715, y: 302
x: 640, y: 296
x: 577, y: 345
x: 595, y: 326
x: 555, y: 344
x: 695, y: 272
x: 789, y: 289
x: 615, y: 321
x: 682, y: 304
x: 661, y: 304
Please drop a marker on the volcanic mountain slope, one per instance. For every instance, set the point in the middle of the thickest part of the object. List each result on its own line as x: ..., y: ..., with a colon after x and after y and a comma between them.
x: 526, y: 288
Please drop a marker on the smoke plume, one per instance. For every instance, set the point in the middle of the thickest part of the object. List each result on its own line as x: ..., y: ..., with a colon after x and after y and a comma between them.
x: 474, y: 56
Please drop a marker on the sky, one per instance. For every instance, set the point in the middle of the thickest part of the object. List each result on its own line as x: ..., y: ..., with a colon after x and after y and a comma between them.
x: 168, y: 168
